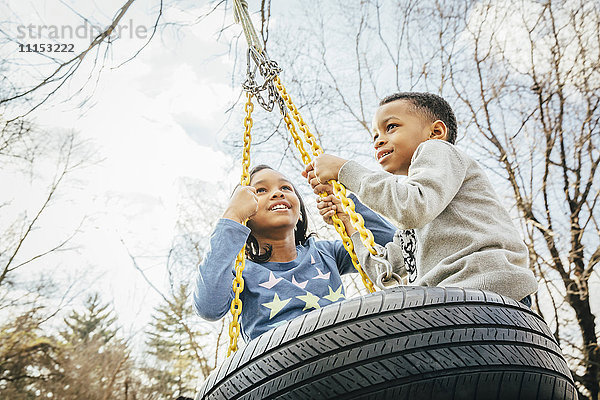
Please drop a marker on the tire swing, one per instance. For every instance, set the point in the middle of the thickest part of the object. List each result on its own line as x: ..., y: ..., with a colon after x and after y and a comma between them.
x: 399, y: 343
x: 417, y: 343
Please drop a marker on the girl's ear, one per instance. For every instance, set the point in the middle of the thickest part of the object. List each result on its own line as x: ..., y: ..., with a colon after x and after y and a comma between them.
x: 439, y: 130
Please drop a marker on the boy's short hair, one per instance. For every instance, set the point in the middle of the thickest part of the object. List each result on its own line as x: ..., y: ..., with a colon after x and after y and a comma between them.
x: 431, y: 106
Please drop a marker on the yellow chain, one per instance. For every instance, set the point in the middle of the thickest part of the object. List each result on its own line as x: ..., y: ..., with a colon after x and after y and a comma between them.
x: 337, y: 222
x: 240, y: 261
x: 316, y: 149
x: 347, y: 242
x: 297, y: 140
x: 339, y: 189
x: 356, y: 219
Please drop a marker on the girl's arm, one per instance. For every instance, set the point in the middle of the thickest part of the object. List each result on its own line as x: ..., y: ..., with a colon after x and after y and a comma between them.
x: 390, y: 248
x: 383, y: 231
x: 213, y: 291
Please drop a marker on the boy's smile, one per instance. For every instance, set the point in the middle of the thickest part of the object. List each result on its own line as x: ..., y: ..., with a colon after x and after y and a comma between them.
x: 398, y: 131
x: 381, y: 154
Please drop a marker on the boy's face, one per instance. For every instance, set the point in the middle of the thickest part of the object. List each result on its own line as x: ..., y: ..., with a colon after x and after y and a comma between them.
x: 398, y: 132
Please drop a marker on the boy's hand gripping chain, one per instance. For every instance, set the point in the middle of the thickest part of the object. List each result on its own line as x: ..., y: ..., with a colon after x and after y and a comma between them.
x: 238, y: 282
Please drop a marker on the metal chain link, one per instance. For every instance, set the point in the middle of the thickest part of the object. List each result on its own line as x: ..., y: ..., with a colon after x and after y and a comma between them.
x: 240, y: 261
x: 266, y: 67
x: 268, y: 70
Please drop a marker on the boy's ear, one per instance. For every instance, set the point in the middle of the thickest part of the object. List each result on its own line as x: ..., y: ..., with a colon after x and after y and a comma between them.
x: 439, y: 130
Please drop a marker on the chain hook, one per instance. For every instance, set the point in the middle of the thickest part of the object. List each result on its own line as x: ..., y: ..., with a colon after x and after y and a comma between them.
x: 388, y: 274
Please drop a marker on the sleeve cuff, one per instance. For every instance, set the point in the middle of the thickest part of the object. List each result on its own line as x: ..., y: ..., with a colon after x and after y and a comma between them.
x: 230, y: 224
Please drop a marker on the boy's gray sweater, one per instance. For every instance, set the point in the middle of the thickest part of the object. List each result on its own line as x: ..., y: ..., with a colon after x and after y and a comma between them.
x: 465, y: 236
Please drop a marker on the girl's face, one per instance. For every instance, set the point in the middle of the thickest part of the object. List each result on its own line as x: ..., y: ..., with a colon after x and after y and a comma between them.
x: 278, y: 204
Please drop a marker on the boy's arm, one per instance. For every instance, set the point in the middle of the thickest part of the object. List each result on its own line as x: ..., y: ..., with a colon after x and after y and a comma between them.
x: 435, y: 176
x: 213, y: 291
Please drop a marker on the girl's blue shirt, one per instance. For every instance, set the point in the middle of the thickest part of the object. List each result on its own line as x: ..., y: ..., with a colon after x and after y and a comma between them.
x: 275, y: 292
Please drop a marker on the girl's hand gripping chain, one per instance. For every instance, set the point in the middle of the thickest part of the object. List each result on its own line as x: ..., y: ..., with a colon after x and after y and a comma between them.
x: 331, y: 205
x: 243, y: 204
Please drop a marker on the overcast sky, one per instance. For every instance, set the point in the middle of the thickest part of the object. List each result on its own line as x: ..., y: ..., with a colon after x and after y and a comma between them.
x: 150, y: 123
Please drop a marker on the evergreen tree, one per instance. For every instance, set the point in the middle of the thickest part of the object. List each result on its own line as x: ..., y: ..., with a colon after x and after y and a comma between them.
x: 95, y: 363
x: 177, y: 359
x: 87, y: 360
x: 96, y: 322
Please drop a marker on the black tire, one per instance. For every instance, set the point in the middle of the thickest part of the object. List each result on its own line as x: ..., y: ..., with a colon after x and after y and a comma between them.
x: 413, y: 343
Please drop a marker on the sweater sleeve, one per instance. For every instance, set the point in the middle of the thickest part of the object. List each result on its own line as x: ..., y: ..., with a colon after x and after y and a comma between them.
x: 436, y: 173
x: 213, y: 291
x: 392, y: 252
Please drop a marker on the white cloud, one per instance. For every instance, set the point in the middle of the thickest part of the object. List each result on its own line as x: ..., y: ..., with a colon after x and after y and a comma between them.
x: 152, y: 121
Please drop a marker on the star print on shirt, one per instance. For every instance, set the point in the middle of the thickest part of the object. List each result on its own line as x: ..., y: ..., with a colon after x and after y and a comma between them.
x: 321, y: 275
x: 301, y: 285
x: 271, y: 282
x: 276, y: 305
x: 335, y: 296
x: 311, y: 301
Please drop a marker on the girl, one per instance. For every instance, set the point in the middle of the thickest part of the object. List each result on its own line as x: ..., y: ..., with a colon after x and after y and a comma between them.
x: 287, y: 271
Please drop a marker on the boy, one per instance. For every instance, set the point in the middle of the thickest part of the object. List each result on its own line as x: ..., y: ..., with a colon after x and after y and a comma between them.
x: 465, y: 235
